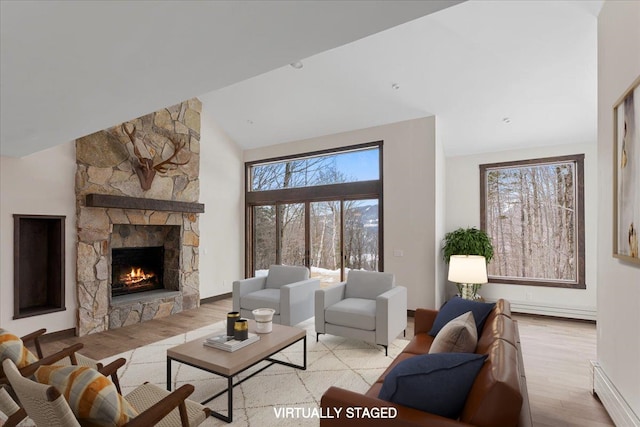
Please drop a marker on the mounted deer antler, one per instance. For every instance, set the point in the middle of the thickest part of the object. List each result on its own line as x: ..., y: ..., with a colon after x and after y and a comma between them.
x: 167, y: 164
x: 145, y: 169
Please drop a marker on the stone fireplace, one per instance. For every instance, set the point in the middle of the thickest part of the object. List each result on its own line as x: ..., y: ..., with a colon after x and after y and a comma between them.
x: 137, y: 250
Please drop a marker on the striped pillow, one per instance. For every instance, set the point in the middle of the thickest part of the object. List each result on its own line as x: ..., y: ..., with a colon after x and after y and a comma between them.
x: 92, y: 396
x: 12, y: 347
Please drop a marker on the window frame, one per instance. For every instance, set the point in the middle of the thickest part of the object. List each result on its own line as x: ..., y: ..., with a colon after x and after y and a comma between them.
x: 578, y: 161
x: 356, y: 190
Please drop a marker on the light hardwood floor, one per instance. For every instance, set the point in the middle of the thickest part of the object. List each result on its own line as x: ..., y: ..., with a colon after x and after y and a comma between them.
x: 557, y: 357
x: 556, y: 352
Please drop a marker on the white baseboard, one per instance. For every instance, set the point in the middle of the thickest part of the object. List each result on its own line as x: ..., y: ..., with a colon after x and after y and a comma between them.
x: 618, y: 409
x: 529, y: 307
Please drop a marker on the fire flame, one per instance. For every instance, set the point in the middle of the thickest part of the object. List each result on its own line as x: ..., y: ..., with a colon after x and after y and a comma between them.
x: 136, y: 275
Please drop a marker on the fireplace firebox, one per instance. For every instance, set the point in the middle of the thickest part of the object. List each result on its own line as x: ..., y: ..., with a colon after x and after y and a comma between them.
x: 136, y: 270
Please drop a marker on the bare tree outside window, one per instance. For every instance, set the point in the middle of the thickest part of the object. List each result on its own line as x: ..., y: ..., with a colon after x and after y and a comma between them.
x: 290, y: 174
x: 533, y: 211
x: 264, y: 236
x: 331, y: 168
x: 292, y: 237
x: 361, y: 234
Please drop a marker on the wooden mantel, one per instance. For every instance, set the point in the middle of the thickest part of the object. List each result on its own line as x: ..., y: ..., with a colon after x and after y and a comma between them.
x: 122, y: 202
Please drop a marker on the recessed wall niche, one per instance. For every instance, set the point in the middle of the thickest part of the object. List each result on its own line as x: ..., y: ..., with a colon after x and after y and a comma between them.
x: 38, y: 264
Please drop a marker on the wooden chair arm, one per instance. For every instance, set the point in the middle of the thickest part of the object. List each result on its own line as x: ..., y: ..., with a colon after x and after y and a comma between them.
x: 15, y: 418
x: 157, y: 412
x: 112, y: 367
x: 112, y: 370
x: 10, y: 407
x: 35, y: 337
x: 70, y: 351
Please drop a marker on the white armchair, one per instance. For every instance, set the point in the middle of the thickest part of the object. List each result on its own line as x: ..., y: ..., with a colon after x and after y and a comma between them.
x: 368, y: 306
x: 286, y: 289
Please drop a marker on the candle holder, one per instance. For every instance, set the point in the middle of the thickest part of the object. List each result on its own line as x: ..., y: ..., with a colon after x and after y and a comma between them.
x: 241, y: 329
x: 232, y: 317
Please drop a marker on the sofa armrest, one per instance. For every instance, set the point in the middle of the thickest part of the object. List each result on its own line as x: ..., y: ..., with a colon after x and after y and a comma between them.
x: 296, y: 301
x: 424, y: 320
x: 391, y: 314
x: 246, y: 286
x: 325, y: 298
x: 347, y: 402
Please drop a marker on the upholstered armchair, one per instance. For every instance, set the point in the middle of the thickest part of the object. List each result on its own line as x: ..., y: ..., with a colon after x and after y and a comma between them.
x: 368, y: 307
x: 286, y: 289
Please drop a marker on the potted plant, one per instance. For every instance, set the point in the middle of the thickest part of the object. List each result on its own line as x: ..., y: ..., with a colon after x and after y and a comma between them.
x: 467, y: 241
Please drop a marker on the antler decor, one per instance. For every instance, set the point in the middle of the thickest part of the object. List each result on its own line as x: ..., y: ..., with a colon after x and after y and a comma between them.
x: 145, y: 169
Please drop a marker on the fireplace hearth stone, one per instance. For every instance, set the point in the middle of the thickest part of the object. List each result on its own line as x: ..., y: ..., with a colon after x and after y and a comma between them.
x: 135, y: 308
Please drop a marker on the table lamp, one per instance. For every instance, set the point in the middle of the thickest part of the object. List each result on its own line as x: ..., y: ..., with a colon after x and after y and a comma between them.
x: 469, y: 272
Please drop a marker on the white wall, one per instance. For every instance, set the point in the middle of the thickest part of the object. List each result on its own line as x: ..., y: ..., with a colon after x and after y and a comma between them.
x: 441, y: 222
x: 44, y: 183
x: 409, y: 172
x: 463, y: 210
x: 619, y: 282
x: 41, y: 184
x: 222, y: 224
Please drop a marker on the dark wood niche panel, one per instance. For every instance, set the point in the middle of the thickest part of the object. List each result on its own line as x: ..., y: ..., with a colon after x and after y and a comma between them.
x: 38, y: 264
x: 109, y: 201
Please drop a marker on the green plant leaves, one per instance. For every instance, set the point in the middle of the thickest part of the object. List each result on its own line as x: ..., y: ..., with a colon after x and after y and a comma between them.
x: 467, y: 241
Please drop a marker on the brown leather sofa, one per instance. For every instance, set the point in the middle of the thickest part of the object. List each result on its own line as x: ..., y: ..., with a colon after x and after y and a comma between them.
x: 496, y: 398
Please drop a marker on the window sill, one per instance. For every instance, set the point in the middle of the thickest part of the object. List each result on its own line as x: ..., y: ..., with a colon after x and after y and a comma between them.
x: 544, y: 283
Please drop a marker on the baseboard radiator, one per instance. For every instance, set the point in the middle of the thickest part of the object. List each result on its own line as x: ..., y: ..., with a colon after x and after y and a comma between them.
x: 618, y: 409
x: 584, y: 313
x: 544, y: 309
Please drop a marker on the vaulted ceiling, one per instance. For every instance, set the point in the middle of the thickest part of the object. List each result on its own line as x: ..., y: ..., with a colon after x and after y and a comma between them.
x: 71, y: 68
x: 497, y: 74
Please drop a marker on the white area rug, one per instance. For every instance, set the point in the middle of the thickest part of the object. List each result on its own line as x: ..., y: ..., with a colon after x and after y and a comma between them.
x: 343, y: 362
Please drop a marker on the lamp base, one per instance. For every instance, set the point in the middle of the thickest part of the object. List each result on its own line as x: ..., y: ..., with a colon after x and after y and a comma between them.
x: 469, y: 291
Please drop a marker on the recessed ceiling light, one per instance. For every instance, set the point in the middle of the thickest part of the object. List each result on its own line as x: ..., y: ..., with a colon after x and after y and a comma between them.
x: 395, y: 86
x: 297, y: 65
x: 506, y: 120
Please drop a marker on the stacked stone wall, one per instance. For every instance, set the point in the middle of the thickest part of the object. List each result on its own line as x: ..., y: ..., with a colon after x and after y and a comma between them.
x: 106, y: 165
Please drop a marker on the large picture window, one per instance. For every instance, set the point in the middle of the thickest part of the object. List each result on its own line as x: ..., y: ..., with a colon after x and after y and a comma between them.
x: 321, y: 209
x: 533, y: 210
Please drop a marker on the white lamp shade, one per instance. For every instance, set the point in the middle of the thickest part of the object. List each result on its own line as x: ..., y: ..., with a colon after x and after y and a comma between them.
x: 471, y: 269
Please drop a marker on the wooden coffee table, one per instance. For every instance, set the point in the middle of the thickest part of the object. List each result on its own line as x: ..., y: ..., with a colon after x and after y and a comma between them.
x: 229, y: 364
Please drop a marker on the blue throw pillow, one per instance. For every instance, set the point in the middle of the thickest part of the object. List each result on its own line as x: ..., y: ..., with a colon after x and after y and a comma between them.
x: 436, y: 383
x: 458, y: 306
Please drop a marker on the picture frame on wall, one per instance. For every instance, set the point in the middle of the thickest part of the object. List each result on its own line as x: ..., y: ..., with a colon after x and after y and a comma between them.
x: 626, y: 175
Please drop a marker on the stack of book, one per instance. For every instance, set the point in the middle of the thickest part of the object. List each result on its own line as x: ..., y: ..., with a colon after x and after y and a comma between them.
x: 224, y: 342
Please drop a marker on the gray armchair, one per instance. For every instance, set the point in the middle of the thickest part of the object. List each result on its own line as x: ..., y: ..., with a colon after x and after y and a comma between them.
x: 286, y: 289
x: 368, y: 306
